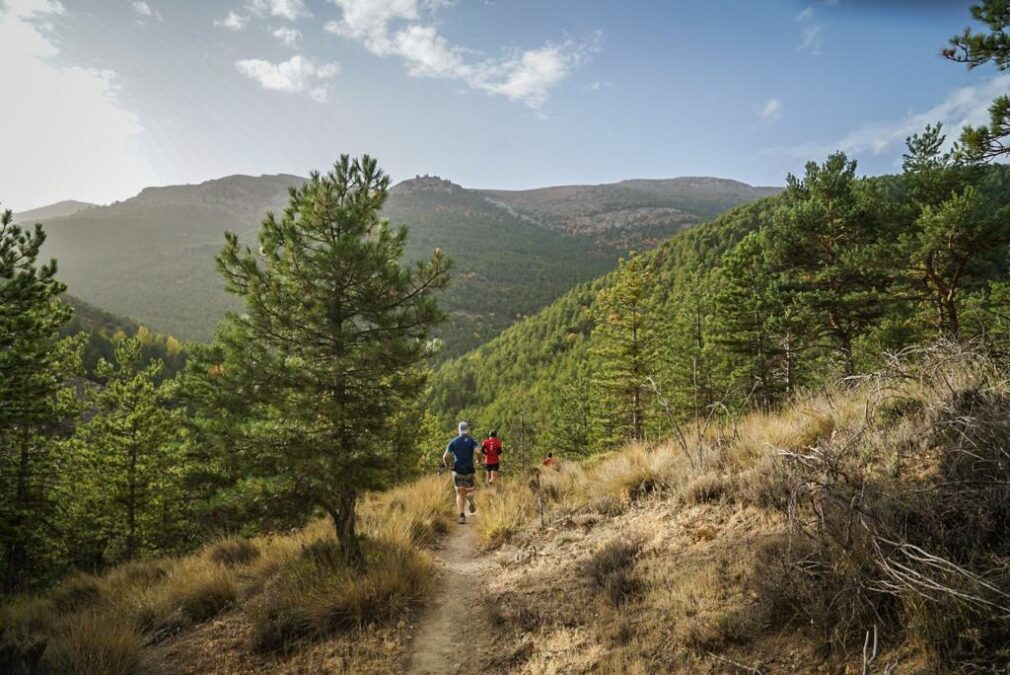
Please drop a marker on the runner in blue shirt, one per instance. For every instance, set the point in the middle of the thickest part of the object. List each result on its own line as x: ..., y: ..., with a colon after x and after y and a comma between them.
x: 462, y: 450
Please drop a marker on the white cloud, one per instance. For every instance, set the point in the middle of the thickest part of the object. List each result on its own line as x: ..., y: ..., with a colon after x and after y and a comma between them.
x: 144, y: 9
x: 394, y: 28
x: 233, y: 21
x: 296, y: 75
x: 289, y: 36
x: 292, y: 10
x: 963, y: 106
x: 812, y: 35
x: 770, y: 110
x: 69, y: 134
x: 811, y: 40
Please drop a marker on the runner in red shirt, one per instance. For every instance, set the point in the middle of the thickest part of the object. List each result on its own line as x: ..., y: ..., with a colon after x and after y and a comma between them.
x: 491, y: 449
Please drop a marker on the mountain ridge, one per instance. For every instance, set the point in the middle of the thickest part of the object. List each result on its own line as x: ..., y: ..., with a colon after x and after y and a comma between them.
x: 67, y: 207
x: 151, y: 257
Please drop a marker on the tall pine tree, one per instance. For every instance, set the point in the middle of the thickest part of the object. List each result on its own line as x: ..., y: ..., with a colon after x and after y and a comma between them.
x: 129, y: 497
x: 953, y: 226
x: 830, y: 241
x: 34, y: 404
x: 327, y: 349
x: 623, y: 353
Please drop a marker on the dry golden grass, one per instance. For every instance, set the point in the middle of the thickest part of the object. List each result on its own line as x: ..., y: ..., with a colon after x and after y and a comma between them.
x: 92, y: 642
x: 290, y: 586
x: 232, y: 551
x: 727, y: 582
x: 503, y: 512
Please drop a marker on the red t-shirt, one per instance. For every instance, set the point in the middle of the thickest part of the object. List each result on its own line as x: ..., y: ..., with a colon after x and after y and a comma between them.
x: 491, y: 448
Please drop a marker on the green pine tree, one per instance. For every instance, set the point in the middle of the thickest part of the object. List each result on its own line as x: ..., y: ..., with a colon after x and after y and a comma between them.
x: 35, y: 405
x: 954, y: 226
x: 988, y: 141
x: 829, y: 240
x: 130, y: 496
x: 623, y: 354
x: 569, y: 430
x: 328, y: 346
x: 757, y: 324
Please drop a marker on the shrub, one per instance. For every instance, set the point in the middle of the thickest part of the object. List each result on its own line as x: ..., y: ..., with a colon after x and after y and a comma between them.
x: 766, y: 485
x: 504, y: 512
x: 139, y: 573
x: 23, y: 623
x: 79, y: 592
x: 609, y: 569
x: 195, y: 590
x: 90, y: 642
x: 707, y: 488
x: 206, y: 594
x: 233, y: 551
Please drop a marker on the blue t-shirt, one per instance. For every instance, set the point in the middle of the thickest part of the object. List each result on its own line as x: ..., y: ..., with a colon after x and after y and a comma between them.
x: 462, y: 448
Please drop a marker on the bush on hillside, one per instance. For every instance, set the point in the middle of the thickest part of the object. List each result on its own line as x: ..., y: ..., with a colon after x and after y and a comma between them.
x: 610, y: 569
x: 233, y: 551
x: 924, y: 548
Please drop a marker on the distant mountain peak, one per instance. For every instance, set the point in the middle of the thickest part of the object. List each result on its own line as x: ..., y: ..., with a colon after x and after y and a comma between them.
x: 427, y: 184
x: 67, y: 207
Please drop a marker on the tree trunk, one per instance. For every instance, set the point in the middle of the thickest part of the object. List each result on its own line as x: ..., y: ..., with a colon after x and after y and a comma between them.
x: 343, y: 516
x: 16, y: 549
x: 636, y: 415
x: 953, y: 323
x: 131, y: 507
x: 789, y: 356
x: 845, y: 346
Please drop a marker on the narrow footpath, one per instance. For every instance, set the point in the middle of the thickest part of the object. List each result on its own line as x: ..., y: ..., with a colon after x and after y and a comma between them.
x: 454, y: 625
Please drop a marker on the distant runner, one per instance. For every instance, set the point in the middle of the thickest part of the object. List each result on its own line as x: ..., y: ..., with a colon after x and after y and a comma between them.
x: 551, y: 460
x: 491, y: 450
x: 462, y: 450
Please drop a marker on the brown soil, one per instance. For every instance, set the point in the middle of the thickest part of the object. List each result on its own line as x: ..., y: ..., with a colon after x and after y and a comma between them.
x: 455, y: 624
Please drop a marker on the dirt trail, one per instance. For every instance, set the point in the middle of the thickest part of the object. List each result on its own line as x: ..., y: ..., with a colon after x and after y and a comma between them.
x: 454, y: 625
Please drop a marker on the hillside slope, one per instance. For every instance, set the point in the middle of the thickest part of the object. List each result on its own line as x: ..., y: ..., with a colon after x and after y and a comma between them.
x: 848, y: 532
x: 526, y: 365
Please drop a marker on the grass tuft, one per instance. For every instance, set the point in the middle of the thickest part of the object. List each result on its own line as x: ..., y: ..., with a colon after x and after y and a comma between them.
x: 89, y: 642
x: 233, y: 551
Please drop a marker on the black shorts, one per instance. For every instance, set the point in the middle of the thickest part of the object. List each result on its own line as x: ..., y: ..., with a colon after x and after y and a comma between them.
x: 464, y: 480
x: 491, y: 467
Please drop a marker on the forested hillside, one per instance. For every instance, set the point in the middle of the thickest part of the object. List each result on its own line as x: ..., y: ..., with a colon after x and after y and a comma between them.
x: 101, y: 331
x: 536, y: 375
x: 504, y: 268
x: 744, y: 310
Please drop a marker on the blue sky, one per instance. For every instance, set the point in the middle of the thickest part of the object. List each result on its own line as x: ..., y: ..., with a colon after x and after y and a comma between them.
x: 104, y: 97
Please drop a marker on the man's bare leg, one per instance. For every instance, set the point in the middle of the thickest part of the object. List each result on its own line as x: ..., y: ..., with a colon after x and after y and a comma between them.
x: 461, y: 500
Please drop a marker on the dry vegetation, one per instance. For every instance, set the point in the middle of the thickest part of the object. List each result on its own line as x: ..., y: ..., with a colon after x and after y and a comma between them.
x: 279, y: 602
x: 862, y: 529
